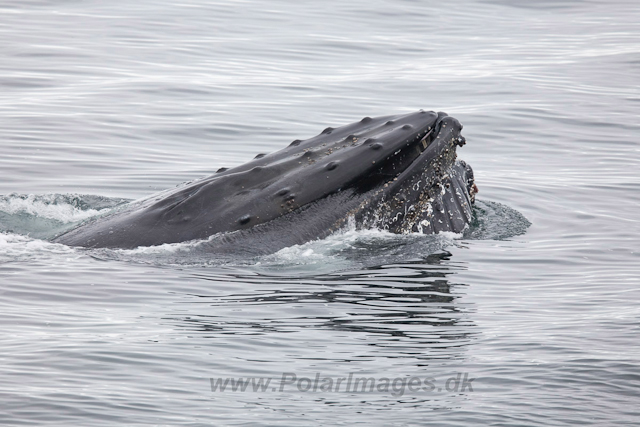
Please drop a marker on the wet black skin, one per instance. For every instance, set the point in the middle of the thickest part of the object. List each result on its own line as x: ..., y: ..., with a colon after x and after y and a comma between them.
x: 397, y: 173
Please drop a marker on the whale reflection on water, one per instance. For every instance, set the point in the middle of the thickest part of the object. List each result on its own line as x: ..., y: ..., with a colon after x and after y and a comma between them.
x: 412, y: 308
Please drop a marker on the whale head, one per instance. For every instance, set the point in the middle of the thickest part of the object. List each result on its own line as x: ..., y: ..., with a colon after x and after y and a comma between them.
x: 398, y: 173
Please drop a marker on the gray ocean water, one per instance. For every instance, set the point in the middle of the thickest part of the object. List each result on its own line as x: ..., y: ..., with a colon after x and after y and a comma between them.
x: 531, y: 318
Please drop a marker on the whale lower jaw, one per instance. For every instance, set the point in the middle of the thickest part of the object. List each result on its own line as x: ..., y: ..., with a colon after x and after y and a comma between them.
x: 442, y: 202
x: 444, y: 207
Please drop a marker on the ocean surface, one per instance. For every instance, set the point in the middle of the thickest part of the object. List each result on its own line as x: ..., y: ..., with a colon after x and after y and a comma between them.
x: 530, y: 318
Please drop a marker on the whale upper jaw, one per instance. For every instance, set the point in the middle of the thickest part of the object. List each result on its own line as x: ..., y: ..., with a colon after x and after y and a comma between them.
x: 422, y: 187
x: 390, y: 172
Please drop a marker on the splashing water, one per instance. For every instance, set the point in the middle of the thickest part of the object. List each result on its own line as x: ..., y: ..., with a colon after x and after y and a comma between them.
x: 44, y: 216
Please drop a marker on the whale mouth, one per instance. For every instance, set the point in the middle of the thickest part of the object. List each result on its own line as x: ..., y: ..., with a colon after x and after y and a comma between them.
x: 433, y: 147
x: 422, y: 186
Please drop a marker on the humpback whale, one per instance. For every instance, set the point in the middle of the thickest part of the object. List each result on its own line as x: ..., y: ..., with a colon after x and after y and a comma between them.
x: 398, y: 173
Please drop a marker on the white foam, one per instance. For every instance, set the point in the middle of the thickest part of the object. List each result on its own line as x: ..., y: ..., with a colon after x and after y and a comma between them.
x: 450, y: 235
x: 316, y: 252
x: 45, y: 206
x: 325, y: 250
x: 14, y: 246
x: 165, y: 248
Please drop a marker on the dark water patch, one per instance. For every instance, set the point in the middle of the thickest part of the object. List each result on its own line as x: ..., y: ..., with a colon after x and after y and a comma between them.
x: 9, y: 83
x: 495, y: 221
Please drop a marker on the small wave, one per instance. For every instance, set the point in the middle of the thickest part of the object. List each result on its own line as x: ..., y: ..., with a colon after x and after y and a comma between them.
x: 64, y: 208
x: 348, y: 248
x: 343, y: 250
x: 351, y: 248
x: 14, y: 247
x: 43, y: 216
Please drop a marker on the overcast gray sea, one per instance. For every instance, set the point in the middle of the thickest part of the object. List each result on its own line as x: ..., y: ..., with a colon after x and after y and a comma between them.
x: 531, y: 318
